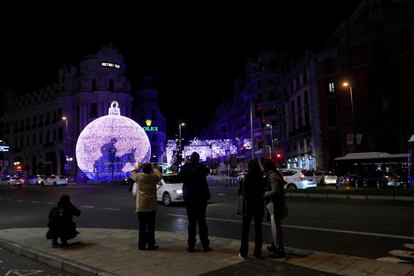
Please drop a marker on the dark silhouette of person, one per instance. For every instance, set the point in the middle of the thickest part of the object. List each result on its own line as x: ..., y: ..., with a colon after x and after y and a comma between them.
x: 196, y: 194
x: 61, y: 223
x: 276, y: 194
x: 252, y: 188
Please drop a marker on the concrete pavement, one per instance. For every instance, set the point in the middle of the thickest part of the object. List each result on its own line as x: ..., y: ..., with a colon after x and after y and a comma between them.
x: 98, y: 251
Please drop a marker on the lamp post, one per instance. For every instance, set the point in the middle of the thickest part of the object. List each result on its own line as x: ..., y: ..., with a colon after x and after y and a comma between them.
x: 271, y: 138
x: 180, y: 125
x: 65, y: 119
x: 348, y: 84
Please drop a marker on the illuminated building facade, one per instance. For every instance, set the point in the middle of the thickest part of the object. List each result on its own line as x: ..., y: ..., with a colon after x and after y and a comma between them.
x: 42, y: 127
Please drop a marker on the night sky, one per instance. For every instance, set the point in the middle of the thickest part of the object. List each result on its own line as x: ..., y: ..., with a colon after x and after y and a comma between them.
x: 193, y: 52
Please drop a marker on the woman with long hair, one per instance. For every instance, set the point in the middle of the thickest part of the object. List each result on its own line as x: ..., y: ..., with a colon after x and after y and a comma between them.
x: 277, y: 210
x: 252, y: 188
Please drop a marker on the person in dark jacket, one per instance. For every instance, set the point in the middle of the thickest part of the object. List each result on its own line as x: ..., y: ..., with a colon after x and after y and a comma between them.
x: 252, y: 188
x: 276, y: 195
x: 196, y: 194
x: 60, y: 222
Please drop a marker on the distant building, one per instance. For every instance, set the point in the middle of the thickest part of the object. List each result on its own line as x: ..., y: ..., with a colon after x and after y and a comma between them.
x: 302, y: 110
x: 149, y: 116
x: 374, y: 52
x: 42, y: 127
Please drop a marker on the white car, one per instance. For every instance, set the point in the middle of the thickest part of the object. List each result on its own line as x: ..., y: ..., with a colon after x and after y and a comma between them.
x: 295, y: 179
x: 55, y: 180
x: 12, y: 181
x: 170, y: 190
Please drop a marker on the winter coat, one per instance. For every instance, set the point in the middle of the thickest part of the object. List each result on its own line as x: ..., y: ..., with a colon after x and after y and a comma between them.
x: 60, y: 222
x: 195, y: 187
x: 146, y: 199
x: 253, y: 189
x: 276, y: 193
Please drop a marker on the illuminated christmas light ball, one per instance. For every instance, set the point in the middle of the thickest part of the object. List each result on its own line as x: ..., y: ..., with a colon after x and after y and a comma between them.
x: 111, y: 145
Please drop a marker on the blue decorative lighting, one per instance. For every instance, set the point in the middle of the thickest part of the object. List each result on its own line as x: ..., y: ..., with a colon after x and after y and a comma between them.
x: 111, y: 146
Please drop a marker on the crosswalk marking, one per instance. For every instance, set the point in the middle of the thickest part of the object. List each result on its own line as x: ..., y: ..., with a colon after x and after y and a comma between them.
x: 112, y: 209
x: 88, y: 206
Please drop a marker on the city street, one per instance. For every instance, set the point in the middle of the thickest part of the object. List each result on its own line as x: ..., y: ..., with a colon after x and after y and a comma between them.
x: 372, y: 229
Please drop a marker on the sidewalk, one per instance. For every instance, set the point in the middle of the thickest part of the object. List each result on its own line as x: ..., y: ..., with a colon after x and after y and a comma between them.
x: 113, y: 252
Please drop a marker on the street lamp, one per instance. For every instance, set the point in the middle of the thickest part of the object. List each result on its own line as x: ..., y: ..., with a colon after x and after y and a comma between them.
x: 271, y: 137
x: 64, y: 118
x: 180, y: 125
x: 348, y: 84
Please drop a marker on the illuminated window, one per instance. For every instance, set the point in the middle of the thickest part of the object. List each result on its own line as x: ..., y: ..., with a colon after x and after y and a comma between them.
x: 331, y: 87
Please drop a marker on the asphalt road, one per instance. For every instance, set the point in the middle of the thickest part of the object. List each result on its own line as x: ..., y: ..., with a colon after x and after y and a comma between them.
x: 373, y: 229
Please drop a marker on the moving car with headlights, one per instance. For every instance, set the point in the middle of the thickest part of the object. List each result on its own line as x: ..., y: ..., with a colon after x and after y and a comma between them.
x: 295, y: 179
x: 170, y: 190
x: 55, y: 180
x: 37, y: 179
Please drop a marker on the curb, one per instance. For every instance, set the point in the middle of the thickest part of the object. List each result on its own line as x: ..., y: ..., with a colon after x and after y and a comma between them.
x: 53, y: 261
x: 350, y: 196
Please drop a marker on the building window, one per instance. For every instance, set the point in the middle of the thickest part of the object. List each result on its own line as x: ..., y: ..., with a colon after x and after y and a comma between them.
x: 332, y: 115
x: 331, y: 87
x: 305, y: 97
x: 298, y: 102
x: 93, y: 84
x: 94, y: 110
x: 111, y: 85
x: 41, y: 138
x: 305, y: 77
x: 328, y: 66
x: 34, y: 140
x: 54, y: 135
x: 60, y: 134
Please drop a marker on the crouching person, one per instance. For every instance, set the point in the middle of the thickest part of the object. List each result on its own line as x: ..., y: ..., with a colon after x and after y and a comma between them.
x: 61, y: 223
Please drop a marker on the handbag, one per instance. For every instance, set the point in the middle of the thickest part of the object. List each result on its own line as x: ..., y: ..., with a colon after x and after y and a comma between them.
x: 270, y: 208
x: 134, y: 189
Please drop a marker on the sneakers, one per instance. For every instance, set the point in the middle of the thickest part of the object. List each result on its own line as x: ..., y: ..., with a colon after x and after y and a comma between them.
x: 242, y: 257
x: 207, y: 249
x: 190, y: 249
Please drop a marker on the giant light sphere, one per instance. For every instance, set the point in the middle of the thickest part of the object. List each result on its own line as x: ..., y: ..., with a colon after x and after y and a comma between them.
x: 111, y: 145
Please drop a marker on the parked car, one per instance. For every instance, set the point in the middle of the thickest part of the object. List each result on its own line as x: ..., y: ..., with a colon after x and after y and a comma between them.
x: 55, y: 180
x: 330, y: 178
x: 170, y: 190
x: 378, y: 179
x: 295, y: 179
x: 12, y: 180
x: 37, y: 179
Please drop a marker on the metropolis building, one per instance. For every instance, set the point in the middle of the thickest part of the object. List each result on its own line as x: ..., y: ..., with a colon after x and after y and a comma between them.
x: 42, y: 127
